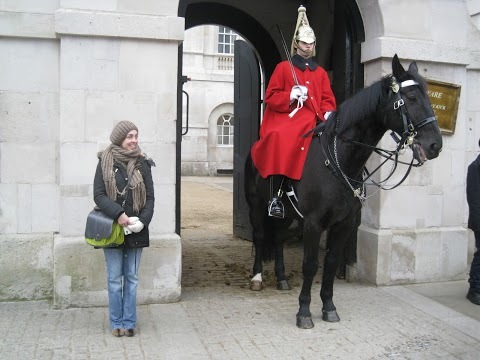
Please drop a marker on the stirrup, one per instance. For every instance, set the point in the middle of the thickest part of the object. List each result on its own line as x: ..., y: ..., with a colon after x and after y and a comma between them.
x: 276, y: 208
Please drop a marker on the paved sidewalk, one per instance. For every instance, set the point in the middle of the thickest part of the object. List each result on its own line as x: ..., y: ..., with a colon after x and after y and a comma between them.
x: 234, y: 323
x: 225, y: 320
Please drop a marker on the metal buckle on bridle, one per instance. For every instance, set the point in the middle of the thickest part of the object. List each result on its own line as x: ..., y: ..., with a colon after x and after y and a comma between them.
x: 398, y: 103
x: 410, y: 139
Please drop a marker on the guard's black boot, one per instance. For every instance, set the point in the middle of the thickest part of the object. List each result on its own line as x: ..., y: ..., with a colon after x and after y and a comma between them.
x: 275, y: 208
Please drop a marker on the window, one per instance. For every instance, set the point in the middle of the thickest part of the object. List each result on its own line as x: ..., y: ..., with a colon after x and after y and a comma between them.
x: 225, y: 130
x: 226, y: 37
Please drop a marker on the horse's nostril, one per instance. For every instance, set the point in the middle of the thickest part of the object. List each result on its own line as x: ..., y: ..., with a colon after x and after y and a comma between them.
x: 436, y: 148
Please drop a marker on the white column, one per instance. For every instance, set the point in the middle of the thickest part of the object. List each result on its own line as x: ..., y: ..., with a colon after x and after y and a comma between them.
x: 416, y: 233
x: 115, y: 65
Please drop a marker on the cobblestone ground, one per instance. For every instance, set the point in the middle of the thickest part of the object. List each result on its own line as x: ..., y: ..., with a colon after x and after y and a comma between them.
x: 236, y: 323
x: 211, y: 255
x: 218, y: 317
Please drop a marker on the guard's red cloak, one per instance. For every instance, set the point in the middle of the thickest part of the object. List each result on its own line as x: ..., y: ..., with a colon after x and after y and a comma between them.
x: 281, y: 148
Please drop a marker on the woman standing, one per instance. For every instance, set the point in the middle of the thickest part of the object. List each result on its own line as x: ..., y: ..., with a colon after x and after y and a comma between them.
x: 123, y: 189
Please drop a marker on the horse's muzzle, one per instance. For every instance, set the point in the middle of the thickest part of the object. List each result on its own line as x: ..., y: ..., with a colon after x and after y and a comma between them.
x: 419, y: 153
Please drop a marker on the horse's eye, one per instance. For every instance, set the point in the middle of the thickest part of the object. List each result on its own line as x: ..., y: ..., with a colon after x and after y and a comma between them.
x: 411, y: 96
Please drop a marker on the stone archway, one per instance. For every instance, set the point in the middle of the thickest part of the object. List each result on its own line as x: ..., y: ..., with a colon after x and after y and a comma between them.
x: 338, y: 26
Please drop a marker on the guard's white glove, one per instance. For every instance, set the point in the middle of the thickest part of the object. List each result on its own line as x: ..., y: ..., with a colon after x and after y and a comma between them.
x: 299, y: 92
x: 327, y: 114
x: 304, y: 90
x: 296, y: 93
x: 137, y: 227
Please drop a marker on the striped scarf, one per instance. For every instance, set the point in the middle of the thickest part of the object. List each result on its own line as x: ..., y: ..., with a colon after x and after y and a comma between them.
x: 129, y: 159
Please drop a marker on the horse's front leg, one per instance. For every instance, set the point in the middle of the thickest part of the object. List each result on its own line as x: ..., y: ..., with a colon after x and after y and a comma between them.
x: 311, y: 241
x: 329, y: 311
x: 337, y: 237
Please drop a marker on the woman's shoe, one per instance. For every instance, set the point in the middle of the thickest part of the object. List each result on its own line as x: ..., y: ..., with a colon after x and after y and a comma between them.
x: 474, y: 297
x: 129, y: 332
x: 117, y: 332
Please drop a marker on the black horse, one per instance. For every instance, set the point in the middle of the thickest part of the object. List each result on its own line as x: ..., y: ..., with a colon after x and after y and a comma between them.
x: 331, y: 189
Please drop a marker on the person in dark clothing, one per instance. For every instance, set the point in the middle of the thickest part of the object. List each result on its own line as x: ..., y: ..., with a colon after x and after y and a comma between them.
x: 473, y: 199
x: 123, y: 189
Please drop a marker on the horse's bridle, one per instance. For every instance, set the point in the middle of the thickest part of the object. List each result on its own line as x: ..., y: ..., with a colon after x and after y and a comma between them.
x: 409, y: 128
x: 407, y: 139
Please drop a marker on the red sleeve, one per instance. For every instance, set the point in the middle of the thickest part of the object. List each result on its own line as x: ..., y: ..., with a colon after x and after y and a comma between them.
x: 277, y: 96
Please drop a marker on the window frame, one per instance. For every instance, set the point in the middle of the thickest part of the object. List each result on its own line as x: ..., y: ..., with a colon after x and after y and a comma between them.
x: 220, y: 130
x: 223, y: 32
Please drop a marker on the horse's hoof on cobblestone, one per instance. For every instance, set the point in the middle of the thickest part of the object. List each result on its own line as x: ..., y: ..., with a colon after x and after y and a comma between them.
x: 283, y: 285
x: 304, y: 322
x: 330, y: 316
x: 256, y: 285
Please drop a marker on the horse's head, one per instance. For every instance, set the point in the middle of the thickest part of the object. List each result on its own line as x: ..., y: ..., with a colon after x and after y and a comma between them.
x: 418, y: 127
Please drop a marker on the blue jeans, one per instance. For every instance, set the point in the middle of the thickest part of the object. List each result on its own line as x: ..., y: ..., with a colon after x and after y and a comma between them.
x: 122, y: 277
x: 474, y: 279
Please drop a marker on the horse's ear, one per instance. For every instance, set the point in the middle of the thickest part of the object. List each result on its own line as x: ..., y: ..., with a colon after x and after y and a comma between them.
x: 413, y: 67
x: 397, y: 68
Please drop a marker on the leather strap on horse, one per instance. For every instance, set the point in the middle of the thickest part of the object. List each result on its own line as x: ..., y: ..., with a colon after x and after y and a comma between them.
x: 293, y: 197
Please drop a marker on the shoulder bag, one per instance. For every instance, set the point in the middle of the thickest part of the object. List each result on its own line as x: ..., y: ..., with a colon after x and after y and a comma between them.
x: 102, y: 231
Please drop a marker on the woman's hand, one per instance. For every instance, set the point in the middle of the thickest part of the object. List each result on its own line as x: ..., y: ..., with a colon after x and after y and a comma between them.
x: 123, y: 220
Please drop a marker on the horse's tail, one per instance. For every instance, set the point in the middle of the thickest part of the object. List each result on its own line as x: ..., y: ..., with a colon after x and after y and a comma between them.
x: 254, y: 186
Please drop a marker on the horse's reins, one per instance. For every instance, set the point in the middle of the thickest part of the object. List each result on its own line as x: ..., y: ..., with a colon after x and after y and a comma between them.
x: 407, y: 139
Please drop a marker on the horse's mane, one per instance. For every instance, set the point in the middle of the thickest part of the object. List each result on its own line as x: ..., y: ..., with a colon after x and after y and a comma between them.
x: 366, y: 101
x: 363, y: 103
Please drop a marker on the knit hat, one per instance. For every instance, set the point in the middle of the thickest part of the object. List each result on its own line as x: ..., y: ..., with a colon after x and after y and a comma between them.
x: 120, y: 132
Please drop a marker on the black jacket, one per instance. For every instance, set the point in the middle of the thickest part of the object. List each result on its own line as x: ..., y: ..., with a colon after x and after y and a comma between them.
x: 114, y: 208
x: 473, y: 194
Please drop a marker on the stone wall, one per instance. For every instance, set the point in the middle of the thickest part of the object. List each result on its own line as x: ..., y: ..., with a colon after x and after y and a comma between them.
x: 416, y: 233
x: 70, y: 71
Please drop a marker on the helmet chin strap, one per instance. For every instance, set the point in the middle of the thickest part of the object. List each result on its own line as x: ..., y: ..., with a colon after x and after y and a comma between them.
x: 297, y: 45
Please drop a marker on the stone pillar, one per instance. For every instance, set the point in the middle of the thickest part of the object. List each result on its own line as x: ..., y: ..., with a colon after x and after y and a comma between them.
x: 29, y: 107
x: 117, y: 62
x: 416, y: 233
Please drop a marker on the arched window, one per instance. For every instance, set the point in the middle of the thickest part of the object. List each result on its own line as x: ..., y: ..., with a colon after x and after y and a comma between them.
x: 225, y: 130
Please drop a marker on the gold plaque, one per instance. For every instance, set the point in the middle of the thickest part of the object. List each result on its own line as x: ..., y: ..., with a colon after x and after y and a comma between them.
x: 444, y: 98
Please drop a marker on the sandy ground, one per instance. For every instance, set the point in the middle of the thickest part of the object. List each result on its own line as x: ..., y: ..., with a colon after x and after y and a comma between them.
x: 206, y: 208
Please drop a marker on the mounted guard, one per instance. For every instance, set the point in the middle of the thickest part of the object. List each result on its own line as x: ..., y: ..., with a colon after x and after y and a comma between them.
x: 332, y: 186
x: 298, y: 97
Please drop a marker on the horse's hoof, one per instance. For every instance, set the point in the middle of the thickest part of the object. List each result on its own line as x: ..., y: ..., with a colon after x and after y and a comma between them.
x: 330, y: 316
x: 256, y: 285
x: 304, y: 322
x: 283, y: 285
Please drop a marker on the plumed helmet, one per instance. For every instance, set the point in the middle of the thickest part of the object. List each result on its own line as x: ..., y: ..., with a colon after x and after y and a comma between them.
x: 303, y: 31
